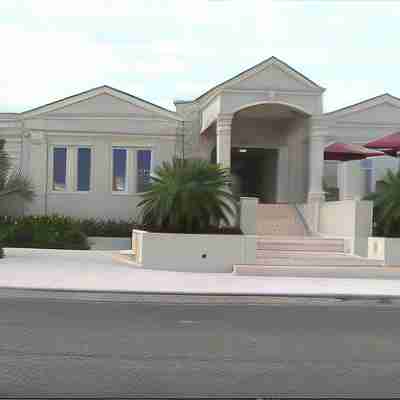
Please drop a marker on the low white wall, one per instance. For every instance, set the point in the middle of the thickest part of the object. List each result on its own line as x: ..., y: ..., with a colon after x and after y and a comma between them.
x: 192, y: 253
x: 109, y: 243
x: 348, y: 219
x: 384, y: 249
x: 248, y: 215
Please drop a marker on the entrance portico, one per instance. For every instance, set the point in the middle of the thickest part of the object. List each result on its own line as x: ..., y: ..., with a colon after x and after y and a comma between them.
x: 274, y: 139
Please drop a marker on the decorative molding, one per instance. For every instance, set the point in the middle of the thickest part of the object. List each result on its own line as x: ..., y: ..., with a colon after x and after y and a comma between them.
x: 268, y: 90
x: 38, y: 138
x: 106, y: 116
x: 110, y: 135
x: 224, y: 123
x: 99, y: 91
x: 364, y: 105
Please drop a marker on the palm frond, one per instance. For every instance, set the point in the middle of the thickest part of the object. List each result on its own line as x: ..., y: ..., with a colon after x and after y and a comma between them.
x: 188, y: 195
x: 12, y: 182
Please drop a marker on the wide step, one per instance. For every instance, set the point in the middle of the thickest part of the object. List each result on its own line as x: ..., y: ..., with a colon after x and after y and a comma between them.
x: 316, y: 259
x: 372, y: 272
x: 309, y: 244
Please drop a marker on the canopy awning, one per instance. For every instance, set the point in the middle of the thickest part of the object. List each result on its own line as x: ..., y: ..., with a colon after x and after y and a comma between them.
x: 388, y: 142
x: 349, y: 152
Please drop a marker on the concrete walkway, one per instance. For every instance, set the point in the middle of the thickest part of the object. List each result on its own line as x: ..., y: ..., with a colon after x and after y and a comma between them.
x: 96, y: 271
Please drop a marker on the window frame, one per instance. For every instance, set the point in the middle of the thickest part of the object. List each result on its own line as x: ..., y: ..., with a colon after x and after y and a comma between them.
x: 71, y: 186
x: 131, y: 168
x: 76, y: 171
x: 136, y: 169
x: 127, y: 186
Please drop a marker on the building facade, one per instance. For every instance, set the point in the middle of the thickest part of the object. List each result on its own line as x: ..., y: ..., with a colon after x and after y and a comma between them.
x: 91, y: 154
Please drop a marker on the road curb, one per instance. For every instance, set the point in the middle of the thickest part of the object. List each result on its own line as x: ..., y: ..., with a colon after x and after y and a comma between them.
x: 180, y: 297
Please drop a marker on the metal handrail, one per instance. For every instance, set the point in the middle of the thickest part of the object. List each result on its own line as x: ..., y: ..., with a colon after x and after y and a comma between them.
x: 303, y: 219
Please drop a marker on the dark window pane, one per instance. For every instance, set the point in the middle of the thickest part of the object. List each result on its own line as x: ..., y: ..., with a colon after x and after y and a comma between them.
x: 143, y: 170
x: 119, y: 170
x: 84, y: 165
x: 59, y: 168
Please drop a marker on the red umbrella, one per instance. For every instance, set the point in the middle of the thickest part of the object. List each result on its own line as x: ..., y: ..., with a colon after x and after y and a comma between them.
x: 389, y: 142
x: 391, y: 152
x: 348, y: 152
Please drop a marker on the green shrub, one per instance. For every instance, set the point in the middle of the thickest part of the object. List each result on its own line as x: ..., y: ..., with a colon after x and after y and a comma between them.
x: 107, y: 228
x: 387, y: 206
x: 52, y: 232
x: 1, y: 252
x: 76, y: 240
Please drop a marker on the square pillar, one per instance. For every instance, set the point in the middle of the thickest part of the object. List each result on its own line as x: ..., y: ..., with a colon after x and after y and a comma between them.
x: 224, y: 125
x: 316, y: 195
x: 316, y: 167
x: 351, y: 180
x: 38, y: 173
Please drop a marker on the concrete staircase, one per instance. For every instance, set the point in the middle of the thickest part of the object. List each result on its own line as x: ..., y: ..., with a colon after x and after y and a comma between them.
x: 279, y: 220
x: 301, y: 252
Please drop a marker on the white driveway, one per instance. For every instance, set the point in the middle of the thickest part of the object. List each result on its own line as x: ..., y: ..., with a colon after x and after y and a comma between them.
x: 95, y: 270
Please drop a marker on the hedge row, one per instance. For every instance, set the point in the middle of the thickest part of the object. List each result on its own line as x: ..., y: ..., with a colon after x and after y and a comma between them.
x: 59, y: 232
x: 50, y: 232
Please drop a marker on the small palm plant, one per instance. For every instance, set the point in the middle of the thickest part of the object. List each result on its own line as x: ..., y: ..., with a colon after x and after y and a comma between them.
x: 387, y: 204
x: 188, y: 196
x: 12, y: 182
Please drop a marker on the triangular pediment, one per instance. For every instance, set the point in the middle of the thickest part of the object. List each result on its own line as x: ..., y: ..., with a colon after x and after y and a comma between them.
x: 102, y: 101
x: 380, y: 109
x: 102, y: 104
x: 273, y: 76
x: 269, y: 74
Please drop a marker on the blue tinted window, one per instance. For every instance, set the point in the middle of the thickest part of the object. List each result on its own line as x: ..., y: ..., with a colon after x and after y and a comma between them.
x: 143, y: 170
x: 84, y: 166
x: 119, y: 170
x: 59, y: 168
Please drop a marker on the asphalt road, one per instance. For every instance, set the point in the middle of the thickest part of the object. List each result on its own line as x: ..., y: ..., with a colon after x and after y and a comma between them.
x: 295, y: 348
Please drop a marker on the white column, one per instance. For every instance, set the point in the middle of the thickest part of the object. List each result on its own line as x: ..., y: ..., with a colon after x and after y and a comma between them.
x: 38, y: 172
x: 316, y: 194
x: 316, y: 167
x: 351, y: 180
x: 224, y: 124
x: 283, y: 175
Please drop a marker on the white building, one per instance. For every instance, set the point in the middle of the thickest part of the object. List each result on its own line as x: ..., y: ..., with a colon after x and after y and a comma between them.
x: 90, y: 155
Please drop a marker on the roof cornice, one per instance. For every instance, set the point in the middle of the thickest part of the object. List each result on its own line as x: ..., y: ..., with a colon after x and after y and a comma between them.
x: 105, y: 89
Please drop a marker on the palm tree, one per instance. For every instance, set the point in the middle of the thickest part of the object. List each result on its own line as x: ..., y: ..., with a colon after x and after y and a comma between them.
x: 12, y: 182
x: 188, y: 195
x: 387, y: 204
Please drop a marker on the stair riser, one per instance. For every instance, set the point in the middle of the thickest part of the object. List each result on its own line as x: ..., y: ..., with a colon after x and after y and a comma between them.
x: 309, y: 273
x: 313, y: 262
x: 301, y: 248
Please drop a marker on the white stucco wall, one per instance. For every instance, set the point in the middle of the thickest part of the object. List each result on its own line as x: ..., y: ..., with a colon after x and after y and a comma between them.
x: 348, y: 219
x: 193, y: 253
x: 101, y: 122
x: 100, y: 201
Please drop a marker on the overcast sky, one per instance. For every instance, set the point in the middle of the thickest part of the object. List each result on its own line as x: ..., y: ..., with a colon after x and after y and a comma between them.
x: 164, y: 50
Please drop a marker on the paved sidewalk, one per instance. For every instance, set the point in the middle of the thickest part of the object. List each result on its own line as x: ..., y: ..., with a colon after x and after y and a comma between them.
x: 96, y: 271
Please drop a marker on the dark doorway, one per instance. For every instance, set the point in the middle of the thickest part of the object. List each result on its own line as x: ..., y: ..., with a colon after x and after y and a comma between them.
x: 254, y: 172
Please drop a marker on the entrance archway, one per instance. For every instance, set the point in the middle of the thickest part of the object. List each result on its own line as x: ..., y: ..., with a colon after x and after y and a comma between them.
x: 269, y: 157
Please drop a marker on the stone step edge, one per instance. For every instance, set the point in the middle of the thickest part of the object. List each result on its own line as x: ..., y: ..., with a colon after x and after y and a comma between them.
x: 253, y: 269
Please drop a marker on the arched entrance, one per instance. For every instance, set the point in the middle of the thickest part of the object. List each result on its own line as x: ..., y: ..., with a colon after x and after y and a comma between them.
x: 268, y: 152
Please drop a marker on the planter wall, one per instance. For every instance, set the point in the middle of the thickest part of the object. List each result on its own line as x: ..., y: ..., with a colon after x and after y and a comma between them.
x: 109, y: 243
x: 384, y: 249
x: 192, y: 253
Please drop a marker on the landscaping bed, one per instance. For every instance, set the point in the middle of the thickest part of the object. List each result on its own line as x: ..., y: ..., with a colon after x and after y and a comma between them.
x: 49, y: 232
